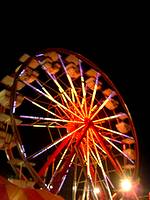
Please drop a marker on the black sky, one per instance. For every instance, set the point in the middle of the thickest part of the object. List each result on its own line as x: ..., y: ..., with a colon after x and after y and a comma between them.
x: 126, y: 65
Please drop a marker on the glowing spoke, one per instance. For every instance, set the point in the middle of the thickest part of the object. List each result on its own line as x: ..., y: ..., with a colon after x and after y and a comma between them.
x: 112, y: 131
x: 62, y: 91
x: 92, y: 132
x: 108, y: 140
x: 58, y: 167
x: 66, y: 114
x: 51, y: 159
x: 83, y: 87
x: 38, y: 105
x: 114, y: 140
x: 63, y: 96
x: 102, y: 105
x: 110, y: 117
x: 100, y: 148
x: 53, y: 144
x: 42, y: 125
x: 83, y: 150
x: 47, y: 126
x: 88, y: 155
x: 99, y: 165
x: 102, y: 168
x: 72, y: 94
x: 71, y: 83
x: 52, y: 99
x: 48, y: 119
x: 63, y: 155
x: 44, y: 89
x: 39, y: 91
x: 94, y: 93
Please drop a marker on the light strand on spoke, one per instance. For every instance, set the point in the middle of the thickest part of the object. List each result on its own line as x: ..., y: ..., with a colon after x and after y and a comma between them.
x: 112, y: 131
x: 88, y: 155
x: 102, y: 105
x: 62, y: 92
x: 53, y: 144
x: 107, y: 139
x: 63, y: 155
x: 49, y: 119
x: 94, y: 93
x: 44, y: 89
x: 99, y: 166
x: 102, y: 168
x: 38, y: 105
x: 110, y: 117
x: 71, y: 84
x: 41, y: 126
x: 83, y: 88
x: 52, y: 99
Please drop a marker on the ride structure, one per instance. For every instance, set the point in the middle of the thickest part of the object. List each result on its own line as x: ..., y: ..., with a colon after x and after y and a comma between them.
x: 73, y: 132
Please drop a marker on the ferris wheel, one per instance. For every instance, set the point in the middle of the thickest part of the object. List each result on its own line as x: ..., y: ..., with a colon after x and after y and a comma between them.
x: 74, y: 133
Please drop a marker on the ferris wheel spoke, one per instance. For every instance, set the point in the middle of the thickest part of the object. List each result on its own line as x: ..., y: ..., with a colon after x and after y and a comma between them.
x: 100, y: 148
x: 82, y: 147
x: 88, y: 155
x: 45, y: 109
x: 41, y: 107
x: 56, y: 177
x: 54, y: 155
x: 113, y: 131
x: 110, y: 117
x: 72, y: 95
x: 43, y: 150
x: 52, y: 99
x: 59, y: 176
x: 46, y: 85
x: 37, y: 125
x: 119, y: 150
x: 71, y: 84
x: 111, y: 157
x: 94, y: 93
x: 44, y: 89
x: 64, y: 154
x: 83, y: 88
x: 62, y: 92
x: 49, y: 119
x: 60, y: 110
x: 98, y: 159
x: 71, y: 156
x: 102, y: 105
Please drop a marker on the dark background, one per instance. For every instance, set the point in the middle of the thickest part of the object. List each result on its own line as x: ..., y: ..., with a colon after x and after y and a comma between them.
x: 126, y: 65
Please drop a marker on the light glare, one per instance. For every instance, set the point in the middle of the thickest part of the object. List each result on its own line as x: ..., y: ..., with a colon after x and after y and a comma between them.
x: 126, y: 185
x: 96, y: 190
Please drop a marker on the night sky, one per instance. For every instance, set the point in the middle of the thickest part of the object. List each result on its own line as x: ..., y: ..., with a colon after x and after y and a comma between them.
x: 126, y: 65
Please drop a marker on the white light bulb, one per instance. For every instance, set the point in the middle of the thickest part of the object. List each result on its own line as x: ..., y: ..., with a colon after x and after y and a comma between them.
x: 126, y: 185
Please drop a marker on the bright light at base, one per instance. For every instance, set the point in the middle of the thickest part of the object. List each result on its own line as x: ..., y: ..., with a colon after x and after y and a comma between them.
x: 126, y: 185
x: 96, y: 190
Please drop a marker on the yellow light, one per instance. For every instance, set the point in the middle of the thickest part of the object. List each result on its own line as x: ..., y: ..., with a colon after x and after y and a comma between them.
x: 126, y: 185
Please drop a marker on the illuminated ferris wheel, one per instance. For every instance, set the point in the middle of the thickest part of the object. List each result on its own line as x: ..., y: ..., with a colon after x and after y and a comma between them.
x: 74, y: 132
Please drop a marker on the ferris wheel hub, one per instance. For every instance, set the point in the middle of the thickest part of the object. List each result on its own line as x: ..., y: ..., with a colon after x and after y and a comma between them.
x: 88, y: 122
